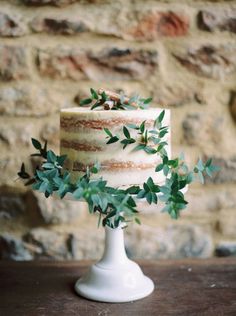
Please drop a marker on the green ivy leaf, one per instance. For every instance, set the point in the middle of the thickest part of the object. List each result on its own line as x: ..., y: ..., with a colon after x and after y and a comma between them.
x: 112, y: 140
x: 154, y: 198
x: 127, y: 141
x: 155, y: 140
x: 159, y: 167
x: 133, y: 126
x: 78, y: 193
x: 94, y: 94
x: 142, y: 127
x: 141, y: 194
x: 208, y: 171
x: 150, y: 150
x: 36, y: 143
x: 85, y: 101
x: 163, y: 133
x: 173, y: 163
x: 95, y: 169
x: 190, y: 178
x: 147, y: 101
x: 137, y: 220
x: 48, y: 165
x: 160, y: 147
x: 200, y: 165
x: 214, y: 168
x: 208, y: 163
x: 165, y: 160
x: 104, y: 96
x: 22, y: 173
x: 153, y: 131
x: 126, y: 132
x: 149, y: 197
x: 166, y: 170
x: 139, y: 147
x: 61, y: 159
x: 108, y: 132
x: 201, y: 178
x: 133, y: 190
x: 51, y: 157
x: 96, y: 105
x: 159, y: 119
x: 161, y: 116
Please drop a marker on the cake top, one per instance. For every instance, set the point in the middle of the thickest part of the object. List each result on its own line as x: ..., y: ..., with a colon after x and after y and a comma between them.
x: 106, y: 105
x: 79, y: 109
x: 109, y: 100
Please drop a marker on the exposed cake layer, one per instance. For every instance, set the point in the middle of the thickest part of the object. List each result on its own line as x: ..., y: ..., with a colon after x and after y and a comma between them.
x: 83, y: 140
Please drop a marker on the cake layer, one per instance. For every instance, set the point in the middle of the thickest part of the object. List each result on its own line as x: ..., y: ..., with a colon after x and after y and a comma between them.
x: 83, y: 140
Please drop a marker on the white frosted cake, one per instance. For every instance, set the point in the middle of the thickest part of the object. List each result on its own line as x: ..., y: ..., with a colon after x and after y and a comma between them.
x: 83, y: 140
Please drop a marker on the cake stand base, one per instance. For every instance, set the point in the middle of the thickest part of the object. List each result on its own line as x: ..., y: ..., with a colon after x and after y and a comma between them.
x: 115, y: 278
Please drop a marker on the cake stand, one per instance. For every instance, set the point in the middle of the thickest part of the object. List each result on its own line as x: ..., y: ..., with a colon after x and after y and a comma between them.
x: 115, y: 278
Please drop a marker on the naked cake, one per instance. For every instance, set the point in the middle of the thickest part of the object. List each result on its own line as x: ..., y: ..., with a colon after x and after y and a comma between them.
x: 83, y: 140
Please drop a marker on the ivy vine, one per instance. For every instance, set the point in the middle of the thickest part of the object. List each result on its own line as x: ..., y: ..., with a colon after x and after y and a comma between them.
x: 116, y: 205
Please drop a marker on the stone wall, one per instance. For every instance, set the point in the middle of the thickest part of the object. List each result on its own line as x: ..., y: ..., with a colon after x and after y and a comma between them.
x: 182, y: 53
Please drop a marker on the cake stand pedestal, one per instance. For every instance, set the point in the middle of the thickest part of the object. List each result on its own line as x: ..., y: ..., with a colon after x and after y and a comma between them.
x: 114, y: 278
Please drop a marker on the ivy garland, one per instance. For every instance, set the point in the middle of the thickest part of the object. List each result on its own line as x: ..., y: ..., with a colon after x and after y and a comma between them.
x: 115, y: 205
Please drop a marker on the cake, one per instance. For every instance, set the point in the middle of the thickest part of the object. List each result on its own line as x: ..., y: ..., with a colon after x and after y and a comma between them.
x: 83, y: 140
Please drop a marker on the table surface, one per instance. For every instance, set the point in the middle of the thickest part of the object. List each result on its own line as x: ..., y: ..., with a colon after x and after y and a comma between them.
x: 182, y: 287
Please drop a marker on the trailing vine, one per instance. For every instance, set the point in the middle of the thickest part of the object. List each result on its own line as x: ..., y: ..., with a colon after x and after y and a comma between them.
x: 116, y: 205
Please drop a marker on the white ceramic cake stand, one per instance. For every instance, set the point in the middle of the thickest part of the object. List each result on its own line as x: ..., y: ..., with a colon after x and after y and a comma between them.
x: 115, y: 278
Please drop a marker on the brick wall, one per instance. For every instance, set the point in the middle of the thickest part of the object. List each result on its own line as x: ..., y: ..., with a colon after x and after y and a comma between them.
x: 182, y: 53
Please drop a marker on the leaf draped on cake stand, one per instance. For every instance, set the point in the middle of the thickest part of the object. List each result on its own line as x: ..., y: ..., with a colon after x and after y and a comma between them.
x: 116, y: 206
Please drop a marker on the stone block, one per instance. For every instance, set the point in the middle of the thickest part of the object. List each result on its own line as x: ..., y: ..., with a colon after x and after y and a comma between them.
x: 53, y: 25
x: 12, y: 205
x: 11, y: 26
x: 227, y: 222
x: 108, y: 64
x: 227, y: 172
x: 28, y: 101
x: 57, y: 3
x: 87, y: 244
x: 13, y: 248
x: 155, y: 24
x: 210, y: 61
x: 225, y: 249
x: 56, y: 211
x: 202, y: 130
x: 173, y: 241
x: 214, y: 19
x: 47, y: 244
x: 13, y: 63
x: 20, y: 135
x: 50, y: 132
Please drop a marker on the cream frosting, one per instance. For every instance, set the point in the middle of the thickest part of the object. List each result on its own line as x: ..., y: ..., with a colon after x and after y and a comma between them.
x: 83, y: 140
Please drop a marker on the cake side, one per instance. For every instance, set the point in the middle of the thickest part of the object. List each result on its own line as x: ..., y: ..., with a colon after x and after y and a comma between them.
x: 83, y: 140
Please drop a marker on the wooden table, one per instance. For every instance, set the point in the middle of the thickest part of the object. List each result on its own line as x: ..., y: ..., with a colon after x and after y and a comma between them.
x: 185, y: 287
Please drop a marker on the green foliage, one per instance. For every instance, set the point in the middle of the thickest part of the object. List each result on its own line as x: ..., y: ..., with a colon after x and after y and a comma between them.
x: 177, y: 173
x: 112, y: 138
x: 128, y: 139
x: 97, y: 100
x: 22, y: 173
x: 42, y: 150
x: 113, y: 205
x: 149, y: 191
